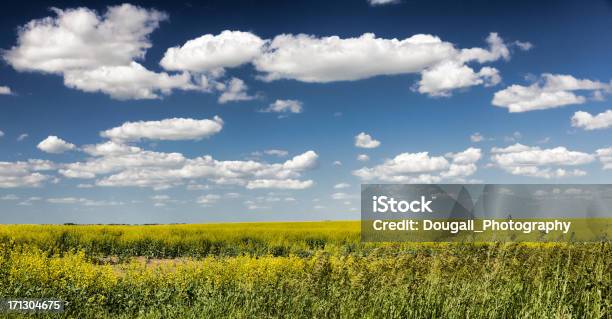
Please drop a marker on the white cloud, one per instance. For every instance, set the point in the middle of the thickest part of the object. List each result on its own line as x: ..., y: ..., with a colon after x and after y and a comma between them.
x: 110, y: 148
x: 364, y: 140
x: 341, y: 196
x: 444, y: 77
x: 29, y: 201
x: 382, y: 2
x: 24, y: 174
x: 97, y: 53
x: 284, y: 106
x: 469, y: 156
x: 282, y: 184
x: 22, y: 137
x: 307, y: 160
x: 208, y: 199
x: 589, y: 122
x: 169, y: 130
x: 342, y: 185
x: 21, y: 179
x: 1, y: 134
x: 422, y: 168
x: 477, y: 137
x: 525, y: 46
x: 111, y: 163
x: 160, y: 198
x: 234, y: 90
x: 309, y: 58
x: 5, y: 90
x: 451, y: 74
x: 363, y: 158
x: 101, y: 53
x: 337, y: 163
x: 82, y: 201
x: 605, y: 157
x: 533, y: 161
x: 127, y: 82
x: 132, y: 166
x: 198, y: 187
x: 278, y: 153
x: 9, y: 197
x: 211, y: 52
x: 551, y: 91
x: 82, y: 39
x: 232, y: 195
x: 55, y: 145
x: 64, y: 200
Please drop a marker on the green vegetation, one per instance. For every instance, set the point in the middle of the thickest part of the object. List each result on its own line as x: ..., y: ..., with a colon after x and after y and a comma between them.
x: 297, y: 270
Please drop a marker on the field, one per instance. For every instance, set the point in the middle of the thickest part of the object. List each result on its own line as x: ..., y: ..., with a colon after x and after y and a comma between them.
x: 296, y: 270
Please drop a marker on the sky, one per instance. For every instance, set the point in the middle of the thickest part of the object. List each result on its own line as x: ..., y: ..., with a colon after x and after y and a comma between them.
x: 177, y: 112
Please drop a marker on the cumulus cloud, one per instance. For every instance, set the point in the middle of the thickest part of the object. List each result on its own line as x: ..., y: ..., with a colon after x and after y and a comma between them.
x: 22, y: 137
x: 605, y: 157
x: 337, y: 59
x: 96, y: 52
x: 422, y: 168
x: 111, y: 163
x: 101, y: 53
x: 363, y: 158
x: 127, y: 82
x: 234, y: 90
x: 589, y: 122
x: 55, y: 145
x: 342, y: 185
x: 1, y: 134
x: 533, y: 161
x: 441, y: 79
x: 307, y: 160
x: 363, y: 140
x: 284, y: 106
x: 110, y: 148
x: 80, y: 38
x: 166, y: 130
x: 116, y: 165
x: 550, y: 91
x: 308, y: 58
x: 212, y: 52
x: 24, y: 173
x: 5, y: 90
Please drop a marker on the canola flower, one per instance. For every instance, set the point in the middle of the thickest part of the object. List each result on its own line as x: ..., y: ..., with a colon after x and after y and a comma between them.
x: 308, y: 271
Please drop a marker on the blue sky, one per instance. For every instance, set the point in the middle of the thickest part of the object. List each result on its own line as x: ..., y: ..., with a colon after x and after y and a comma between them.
x: 259, y: 116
